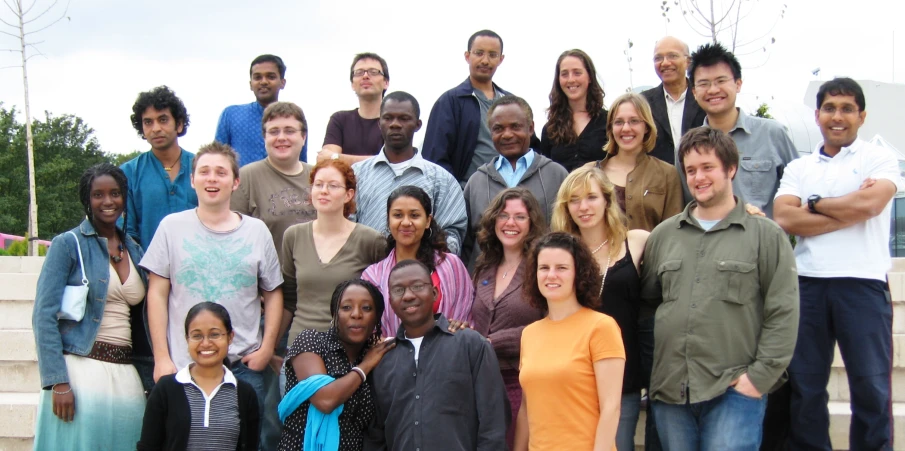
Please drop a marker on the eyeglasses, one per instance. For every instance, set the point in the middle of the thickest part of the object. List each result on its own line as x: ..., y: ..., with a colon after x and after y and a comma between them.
x: 318, y: 186
x: 361, y: 72
x: 671, y: 57
x: 480, y: 54
x: 213, y: 336
x: 288, y: 131
x: 633, y: 122
x: 847, y: 110
x: 719, y: 83
x: 418, y: 287
x: 504, y: 217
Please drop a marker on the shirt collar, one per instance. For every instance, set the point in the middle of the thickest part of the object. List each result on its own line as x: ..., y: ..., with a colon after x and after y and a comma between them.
x: 527, y: 159
x: 185, y: 377
x: 738, y: 215
x: 853, y: 148
x: 742, y: 123
x: 440, y: 323
x: 416, y: 160
x: 669, y: 97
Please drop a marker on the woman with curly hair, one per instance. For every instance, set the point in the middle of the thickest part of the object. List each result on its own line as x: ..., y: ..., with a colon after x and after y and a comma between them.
x: 576, y: 120
x: 512, y: 222
x: 414, y: 234
x: 572, y: 360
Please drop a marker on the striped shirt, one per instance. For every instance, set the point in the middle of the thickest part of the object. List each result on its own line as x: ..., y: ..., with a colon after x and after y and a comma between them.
x: 215, y: 418
x: 455, y: 284
x: 376, y: 180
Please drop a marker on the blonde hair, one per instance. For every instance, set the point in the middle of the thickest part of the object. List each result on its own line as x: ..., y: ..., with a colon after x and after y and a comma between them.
x: 580, y: 182
x: 643, y: 109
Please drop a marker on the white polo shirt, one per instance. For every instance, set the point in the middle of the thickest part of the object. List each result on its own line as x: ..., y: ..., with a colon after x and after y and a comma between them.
x: 862, y: 250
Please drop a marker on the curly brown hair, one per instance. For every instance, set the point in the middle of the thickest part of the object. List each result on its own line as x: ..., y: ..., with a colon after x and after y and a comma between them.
x: 587, y: 271
x: 348, y: 174
x: 491, y: 248
x: 559, y: 115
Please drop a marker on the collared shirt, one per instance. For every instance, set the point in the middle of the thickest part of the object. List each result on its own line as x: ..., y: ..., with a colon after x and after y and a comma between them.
x: 861, y: 250
x: 675, y: 109
x: 513, y: 176
x: 240, y: 126
x: 152, y: 195
x: 453, y: 399
x: 764, y: 150
x: 215, y: 417
x: 376, y: 180
x: 726, y: 304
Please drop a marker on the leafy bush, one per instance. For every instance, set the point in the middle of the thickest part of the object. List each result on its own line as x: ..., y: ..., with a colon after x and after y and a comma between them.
x: 20, y: 249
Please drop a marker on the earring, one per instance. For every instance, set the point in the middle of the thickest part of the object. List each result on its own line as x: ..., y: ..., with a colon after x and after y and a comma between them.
x: 430, y: 231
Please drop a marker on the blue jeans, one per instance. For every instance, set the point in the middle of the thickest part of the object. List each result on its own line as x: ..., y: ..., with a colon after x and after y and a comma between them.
x: 628, y: 420
x: 646, y: 344
x: 265, y: 386
x: 731, y: 421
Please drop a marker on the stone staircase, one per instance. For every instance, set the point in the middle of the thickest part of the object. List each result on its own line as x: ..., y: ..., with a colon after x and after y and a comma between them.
x: 20, y: 384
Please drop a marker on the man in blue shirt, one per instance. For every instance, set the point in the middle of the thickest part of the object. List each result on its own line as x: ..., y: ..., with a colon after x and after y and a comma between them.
x: 240, y: 125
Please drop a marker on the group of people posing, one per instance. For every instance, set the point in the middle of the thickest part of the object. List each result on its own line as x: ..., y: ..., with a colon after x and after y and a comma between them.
x: 488, y: 291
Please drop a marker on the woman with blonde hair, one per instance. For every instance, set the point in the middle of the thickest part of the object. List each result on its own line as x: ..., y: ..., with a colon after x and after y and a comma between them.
x: 586, y: 208
x: 647, y: 189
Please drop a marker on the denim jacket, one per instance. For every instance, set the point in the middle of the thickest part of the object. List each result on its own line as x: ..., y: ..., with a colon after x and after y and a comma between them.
x: 61, y: 267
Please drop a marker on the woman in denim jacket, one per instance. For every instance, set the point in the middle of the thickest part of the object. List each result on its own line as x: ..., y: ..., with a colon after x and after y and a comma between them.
x: 92, y: 397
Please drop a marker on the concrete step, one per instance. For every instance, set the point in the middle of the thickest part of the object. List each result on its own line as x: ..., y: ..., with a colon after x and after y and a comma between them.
x: 16, y: 444
x: 18, y: 345
x: 18, y: 414
x: 18, y: 286
x: 20, y: 377
x: 21, y: 264
x: 15, y: 314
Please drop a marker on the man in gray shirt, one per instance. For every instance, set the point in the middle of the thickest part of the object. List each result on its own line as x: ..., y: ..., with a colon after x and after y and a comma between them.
x: 764, y: 145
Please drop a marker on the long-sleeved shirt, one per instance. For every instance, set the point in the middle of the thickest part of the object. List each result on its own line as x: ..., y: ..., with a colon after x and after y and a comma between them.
x: 726, y: 304
x: 452, y: 399
x: 240, y: 127
x: 376, y: 180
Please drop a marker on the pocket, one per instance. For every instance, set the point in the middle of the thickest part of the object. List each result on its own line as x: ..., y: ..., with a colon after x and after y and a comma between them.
x: 757, y: 180
x: 454, y: 382
x: 739, y: 278
x: 732, y: 391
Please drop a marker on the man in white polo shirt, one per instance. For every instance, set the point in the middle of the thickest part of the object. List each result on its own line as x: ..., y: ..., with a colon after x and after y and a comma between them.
x: 837, y: 202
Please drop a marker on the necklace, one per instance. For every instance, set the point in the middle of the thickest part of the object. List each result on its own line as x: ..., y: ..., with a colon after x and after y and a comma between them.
x: 603, y: 276
x: 511, y: 268
x: 118, y: 258
x: 601, y: 245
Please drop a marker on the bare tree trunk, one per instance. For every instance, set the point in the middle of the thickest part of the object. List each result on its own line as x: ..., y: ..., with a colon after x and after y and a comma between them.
x: 713, y: 24
x: 30, y: 143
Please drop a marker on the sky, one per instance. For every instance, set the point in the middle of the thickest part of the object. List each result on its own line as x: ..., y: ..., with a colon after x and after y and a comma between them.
x: 97, y: 59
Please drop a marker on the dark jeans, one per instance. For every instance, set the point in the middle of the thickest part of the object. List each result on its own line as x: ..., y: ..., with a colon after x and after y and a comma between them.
x: 646, y: 342
x: 265, y: 384
x: 731, y: 421
x: 144, y: 365
x: 858, y: 314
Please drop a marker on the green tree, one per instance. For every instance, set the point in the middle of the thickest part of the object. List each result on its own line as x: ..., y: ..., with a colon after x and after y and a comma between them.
x: 763, y: 111
x: 65, y: 147
x: 119, y: 158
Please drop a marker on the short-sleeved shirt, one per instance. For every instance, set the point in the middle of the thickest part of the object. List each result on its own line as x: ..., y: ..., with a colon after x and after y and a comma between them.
x: 223, y: 267
x: 278, y: 199
x: 558, y: 379
x: 355, y: 134
x: 358, y: 410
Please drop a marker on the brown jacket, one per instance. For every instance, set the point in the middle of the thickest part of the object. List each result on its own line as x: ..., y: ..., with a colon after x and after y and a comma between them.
x: 652, y: 192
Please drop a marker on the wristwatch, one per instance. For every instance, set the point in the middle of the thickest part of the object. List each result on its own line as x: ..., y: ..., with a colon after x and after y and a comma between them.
x: 812, y: 203
x: 335, y: 156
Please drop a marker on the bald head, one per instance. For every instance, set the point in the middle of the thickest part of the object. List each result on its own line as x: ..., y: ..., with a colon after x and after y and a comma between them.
x: 671, y: 62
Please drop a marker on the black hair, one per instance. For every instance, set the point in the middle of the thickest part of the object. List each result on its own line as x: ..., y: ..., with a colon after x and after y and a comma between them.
x: 409, y: 262
x: 93, y: 173
x: 161, y: 98
x: 376, y: 295
x: 402, y: 96
x: 485, y: 33
x: 841, y: 86
x: 217, y: 310
x: 709, y: 55
x: 267, y: 58
x: 511, y: 100
x: 433, y: 240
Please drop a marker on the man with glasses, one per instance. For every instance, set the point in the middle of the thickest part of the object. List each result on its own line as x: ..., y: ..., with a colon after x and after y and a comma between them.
x: 239, y: 124
x: 837, y: 201
x: 672, y: 103
x: 511, y: 123
x: 764, y: 145
x: 457, y: 136
x: 354, y: 135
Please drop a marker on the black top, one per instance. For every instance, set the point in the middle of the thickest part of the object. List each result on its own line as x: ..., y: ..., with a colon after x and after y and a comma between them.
x: 453, y: 399
x: 692, y: 116
x: 621, y: 299
x: 589, y: 146
x: 168, y: 418
x: 355, y: 134
x: 358, y: 411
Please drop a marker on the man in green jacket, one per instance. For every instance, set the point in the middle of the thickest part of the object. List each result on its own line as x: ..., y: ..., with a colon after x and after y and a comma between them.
x: 722, y: 286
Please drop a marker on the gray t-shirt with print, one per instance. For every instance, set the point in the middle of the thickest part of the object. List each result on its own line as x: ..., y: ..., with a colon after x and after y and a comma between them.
x: 223, y: 267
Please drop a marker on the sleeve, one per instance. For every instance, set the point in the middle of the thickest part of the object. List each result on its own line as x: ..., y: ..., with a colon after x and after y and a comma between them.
x: 789, y: 183
x: 440, y: 137
x: 779, y: 288
x: 60, y: 262
x: 306, y: 341
x: 157, y: 257
x: 269, y: 272
x: 153, y: 426
x: 374, y: 438
x: 884, y: 165
x: 250, y: 418
x: 334, y: 134
x: 463, y: 290
x: 491, y: 400
x: 785, y: 149
x: 468, y: 243
x: 290, y: 284
x: 545, y: 144
x: 130, y: 222
x: 450, y: 212
x: 606, y: 340
x: 240, y: 200
x: 674, y: 197
x: 222, y: 134
x: 377, y: 248
x: 651, y: 290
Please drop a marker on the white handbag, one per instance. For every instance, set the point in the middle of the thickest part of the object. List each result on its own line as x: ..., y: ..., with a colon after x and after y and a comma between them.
x: 75, y: 296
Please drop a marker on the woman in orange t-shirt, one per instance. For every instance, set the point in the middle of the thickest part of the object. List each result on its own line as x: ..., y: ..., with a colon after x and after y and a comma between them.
x: 572, y: 361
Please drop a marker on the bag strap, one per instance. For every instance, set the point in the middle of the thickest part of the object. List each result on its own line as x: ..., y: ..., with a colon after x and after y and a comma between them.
x: 81, y: 263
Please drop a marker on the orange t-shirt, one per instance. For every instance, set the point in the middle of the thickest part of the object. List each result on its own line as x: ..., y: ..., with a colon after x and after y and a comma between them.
x: 557, y: 377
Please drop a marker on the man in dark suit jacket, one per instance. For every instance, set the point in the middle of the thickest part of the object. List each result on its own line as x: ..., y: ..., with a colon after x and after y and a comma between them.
x: 672, y: 103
